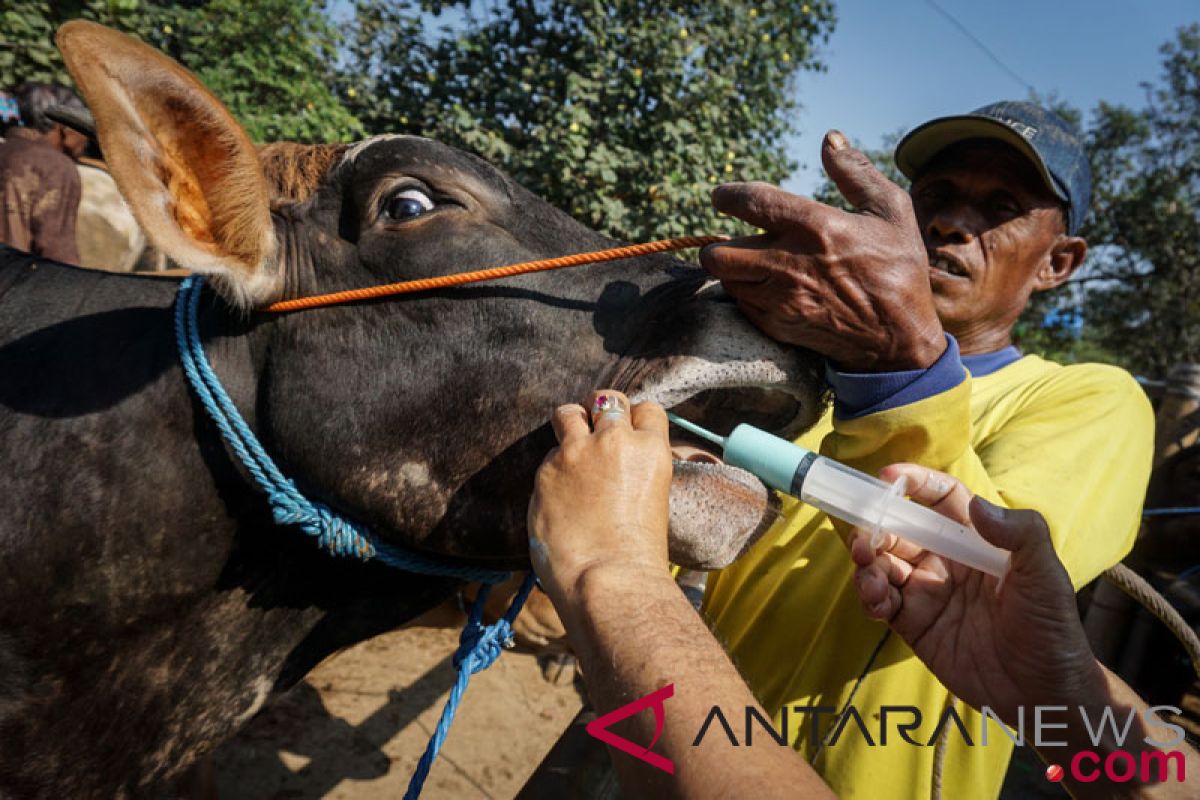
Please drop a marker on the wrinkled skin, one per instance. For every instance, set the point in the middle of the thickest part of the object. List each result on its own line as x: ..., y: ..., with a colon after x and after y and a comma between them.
x: 873, y: 291
x: 148, y: 606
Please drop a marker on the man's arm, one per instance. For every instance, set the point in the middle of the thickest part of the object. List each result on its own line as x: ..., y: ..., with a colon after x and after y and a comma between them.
x: 1016, y: 647
x: 634, y: 634
x: 597, y: 523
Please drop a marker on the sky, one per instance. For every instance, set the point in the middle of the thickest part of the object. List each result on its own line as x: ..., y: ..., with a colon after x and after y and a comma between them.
x: 893, y: 64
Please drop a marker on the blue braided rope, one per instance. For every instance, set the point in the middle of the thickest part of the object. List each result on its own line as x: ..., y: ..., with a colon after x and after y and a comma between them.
x: 333, y: 532
x: 479, y: 645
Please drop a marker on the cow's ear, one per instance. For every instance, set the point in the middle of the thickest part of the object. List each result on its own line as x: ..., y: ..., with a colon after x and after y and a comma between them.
x: 183, y: 163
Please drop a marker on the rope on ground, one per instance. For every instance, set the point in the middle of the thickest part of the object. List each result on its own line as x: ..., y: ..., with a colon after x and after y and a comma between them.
x: 1173, y: 511
x: 1136, y: 587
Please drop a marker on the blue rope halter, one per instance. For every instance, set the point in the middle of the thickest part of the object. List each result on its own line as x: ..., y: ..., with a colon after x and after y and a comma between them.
x: 479, y: 645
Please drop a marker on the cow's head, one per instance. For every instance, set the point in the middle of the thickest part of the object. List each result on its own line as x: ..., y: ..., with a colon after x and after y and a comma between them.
x: 426, y: 416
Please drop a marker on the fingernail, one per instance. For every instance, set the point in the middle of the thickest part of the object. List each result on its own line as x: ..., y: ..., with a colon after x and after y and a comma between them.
x: 990, y: 510
x: 609, y: 404
x: 876, y: 540
x: 836, y: 140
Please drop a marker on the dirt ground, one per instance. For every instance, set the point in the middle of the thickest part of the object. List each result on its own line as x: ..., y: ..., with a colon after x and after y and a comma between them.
x: 357, y: 726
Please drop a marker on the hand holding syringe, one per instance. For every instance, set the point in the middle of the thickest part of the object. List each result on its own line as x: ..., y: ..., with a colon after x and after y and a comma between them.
x: 852, y: 496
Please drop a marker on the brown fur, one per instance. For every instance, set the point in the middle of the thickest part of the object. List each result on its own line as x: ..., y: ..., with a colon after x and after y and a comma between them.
x: 293, y: 170
x: 187, y: 169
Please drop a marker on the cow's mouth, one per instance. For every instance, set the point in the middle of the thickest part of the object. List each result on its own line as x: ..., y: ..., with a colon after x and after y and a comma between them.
x: 719, y: 511
x: 773, y: 408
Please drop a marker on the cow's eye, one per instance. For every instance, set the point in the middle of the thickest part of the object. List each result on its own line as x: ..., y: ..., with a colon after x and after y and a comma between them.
x: 406, y: 204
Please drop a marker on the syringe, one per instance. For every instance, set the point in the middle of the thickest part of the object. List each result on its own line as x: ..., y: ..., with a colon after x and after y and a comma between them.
x: 850, y: 495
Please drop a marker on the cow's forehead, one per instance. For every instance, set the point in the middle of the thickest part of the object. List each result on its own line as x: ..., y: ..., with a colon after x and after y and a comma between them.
x: 403, y: 153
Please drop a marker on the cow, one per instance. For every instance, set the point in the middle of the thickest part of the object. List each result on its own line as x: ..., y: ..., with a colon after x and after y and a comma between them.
x: 106, y: 234
x: 149, y: 605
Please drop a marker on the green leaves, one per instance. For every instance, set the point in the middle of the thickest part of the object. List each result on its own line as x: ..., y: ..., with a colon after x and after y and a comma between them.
x: 1140, y: 290
x: 622, y: 113
x: 273, y: 62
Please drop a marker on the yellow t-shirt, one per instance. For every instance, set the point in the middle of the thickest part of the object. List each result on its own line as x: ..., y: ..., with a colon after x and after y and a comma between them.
x: 1073, y: 442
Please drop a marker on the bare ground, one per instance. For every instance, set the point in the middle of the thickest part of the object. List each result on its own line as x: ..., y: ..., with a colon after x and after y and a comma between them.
x: 357, y: 726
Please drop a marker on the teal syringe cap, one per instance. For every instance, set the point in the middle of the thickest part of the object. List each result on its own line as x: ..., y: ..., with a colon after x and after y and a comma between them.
x: 773, y: 460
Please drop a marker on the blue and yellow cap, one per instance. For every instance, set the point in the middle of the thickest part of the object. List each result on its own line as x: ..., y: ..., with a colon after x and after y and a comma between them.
x: 1045, y: 138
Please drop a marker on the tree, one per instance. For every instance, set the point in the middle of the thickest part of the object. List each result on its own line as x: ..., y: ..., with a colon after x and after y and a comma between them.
x: 623, y: 113
x: 1144, y: 280
x: 272, y: 62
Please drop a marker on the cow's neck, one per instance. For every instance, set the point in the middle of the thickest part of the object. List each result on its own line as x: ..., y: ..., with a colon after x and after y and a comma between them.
x: 161, y: 592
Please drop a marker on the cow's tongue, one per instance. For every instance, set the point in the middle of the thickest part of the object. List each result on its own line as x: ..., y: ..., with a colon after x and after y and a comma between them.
x: 717, y: 511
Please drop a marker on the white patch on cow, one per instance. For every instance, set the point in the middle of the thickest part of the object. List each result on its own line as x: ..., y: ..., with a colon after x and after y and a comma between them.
x: 107, y: 235
x: 354, y: 151
x: 730, y: 354
x: 409, y: 477
x: 262, y: 690
x: 691, y: 375
x: 415, y: 474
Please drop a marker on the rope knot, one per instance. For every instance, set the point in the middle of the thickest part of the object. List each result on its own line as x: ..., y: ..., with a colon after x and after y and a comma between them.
x: 332, y: 531
x: 480, y: 645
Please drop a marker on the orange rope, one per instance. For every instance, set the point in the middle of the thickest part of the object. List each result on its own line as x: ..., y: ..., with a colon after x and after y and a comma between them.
x: 425, y: 284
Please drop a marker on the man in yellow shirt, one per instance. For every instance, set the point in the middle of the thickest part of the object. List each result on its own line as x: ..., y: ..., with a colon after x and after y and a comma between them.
x: 912, y: 300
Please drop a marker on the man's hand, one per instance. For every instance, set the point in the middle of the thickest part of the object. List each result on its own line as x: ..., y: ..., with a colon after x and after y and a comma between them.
x: 601, y: 497
x: 1022, y: 646
x: 853, y: 287
x: 598, y: 539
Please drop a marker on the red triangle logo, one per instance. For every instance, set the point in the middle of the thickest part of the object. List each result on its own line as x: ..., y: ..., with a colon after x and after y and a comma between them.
x: 599, y: 728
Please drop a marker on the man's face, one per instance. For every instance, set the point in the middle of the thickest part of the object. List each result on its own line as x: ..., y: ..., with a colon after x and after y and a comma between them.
x: 990, y: 226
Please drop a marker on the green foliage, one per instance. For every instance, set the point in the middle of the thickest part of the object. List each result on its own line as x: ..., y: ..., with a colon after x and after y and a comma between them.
x: 623, y: 113
x: 1144, y: 298
x: 1139, y: 292
x: 27, y: 51
x: 271, y: 62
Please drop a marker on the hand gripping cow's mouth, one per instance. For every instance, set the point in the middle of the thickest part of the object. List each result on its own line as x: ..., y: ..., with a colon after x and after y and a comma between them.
x: 719, y: 511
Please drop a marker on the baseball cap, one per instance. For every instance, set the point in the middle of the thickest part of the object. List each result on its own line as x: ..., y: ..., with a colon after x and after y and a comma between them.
x: 1045, y: 138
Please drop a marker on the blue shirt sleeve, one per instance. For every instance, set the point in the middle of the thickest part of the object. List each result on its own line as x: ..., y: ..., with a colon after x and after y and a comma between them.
x: 857, y: 394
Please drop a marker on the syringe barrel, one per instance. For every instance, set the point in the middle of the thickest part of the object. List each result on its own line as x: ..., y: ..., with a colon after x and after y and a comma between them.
x: 862, y: 500
x: 857, y: 498
x: 776, y: 462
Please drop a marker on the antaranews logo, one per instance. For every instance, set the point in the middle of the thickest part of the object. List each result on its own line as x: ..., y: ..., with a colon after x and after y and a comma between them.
x: 599, y: 728
x: 1087, y: 766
